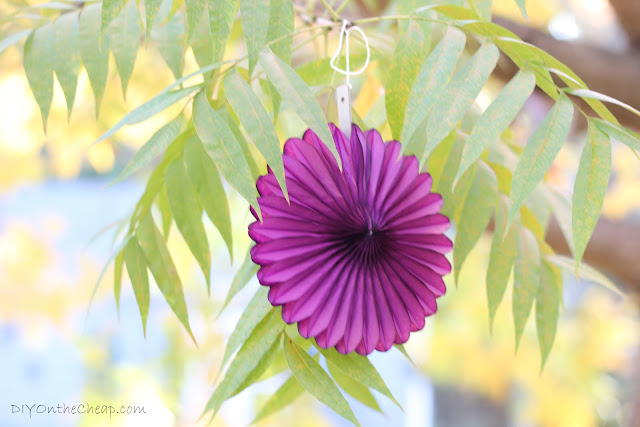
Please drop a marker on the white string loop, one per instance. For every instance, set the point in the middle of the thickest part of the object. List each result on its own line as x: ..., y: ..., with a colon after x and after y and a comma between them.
x: 344, y: 33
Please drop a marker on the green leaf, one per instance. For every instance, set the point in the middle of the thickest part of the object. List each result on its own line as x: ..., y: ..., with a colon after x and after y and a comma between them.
x: 165, y: 211
x: 561, y: 209
x: 137, y: 270
x: 162, y: 268
x: 281, y: 23
x: 221, y: 16
x: 547, y: 308
x: 168, y: 38
x: 318, y: 72
x: 445, y: 165
x: 256, y: 123
x: 359, y: 368
x: 622, y: 134
x: 208, y: 186
x: 12, y: 39
x: 149, y: 109
x: 526, y: 280
x: 66, y: 57
x: 38, y: 66
x: 403, y: 70
x: 585, y: 272
x: 255, y: 347
x: 201, y: 43
x: 538, y: 154
x: 299, y: 96
x: 475, y: 215
x: 246, y: 271
x: 156, y: 145
x: 590, y: 188
x: 254, y: 15
x: 454, y: 101
x: 227, y: 114
x: 95, y: 56
x: 523, y: 8
x: 404, y: 352
x: 151, y: 8
x: 110, y: 10
x: 283, y: 397
x: 497, y: 117
x: 116, y: 252
x: 354, y: 388
x: 124, y: 39
x: 261, y: 368
x: 187, y: 214
x: 117, y: 278
x: 256, y: 310
x: 433, y: 76
x: 315, y: 380
x: 502, y: 256
x: 223, y: 148
x: 195, y: 10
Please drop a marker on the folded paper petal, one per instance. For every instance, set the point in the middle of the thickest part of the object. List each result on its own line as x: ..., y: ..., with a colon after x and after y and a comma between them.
x: 356, y: 257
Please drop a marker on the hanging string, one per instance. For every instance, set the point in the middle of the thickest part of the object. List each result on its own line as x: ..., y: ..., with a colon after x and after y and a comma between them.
x: 344, y: 34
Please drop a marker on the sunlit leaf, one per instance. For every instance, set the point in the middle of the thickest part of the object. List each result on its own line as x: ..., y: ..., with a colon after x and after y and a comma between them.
x: 12, y: 39
x: 547, y: 308
x: 254, y: 15
x: 584, y: 272
x: 66, y: 57
x: 501, y: 258
x: 223, y: 148
x: 221, y: 17
x: 539, y: 153
x: 256, y: 123
x: 110, y: 10
x: 315, y: 380
x: 299, y: 96
x: 433, y: 76
x: 195, y: 11
x: 137, y: 270
x: 124, y: 40
x: 590, y: 188
x: 497, y: 117
x: 454, y: 100
x: 590, y: 94
x: 151, y: 8
x: 353, y: 388
x: 479, y: 204
x: 149, y: 109
x: 246, y: 271
x: 358, y: 368
x: 187, y: 214
x: 202, y: 43
x: 168, y: 38
x: 163, y: 269
x: 403, y: 70
x: 156, y: 145
x: 283, y: 397
x: 95, y: 55
x: 447, y: 163
x: 116, y: 252
x: 281, y: 19
x: 255, y: 311
x: 208, y: 186
x: 255, y: 347
x: 227, y: 115
x: 526, y: 280
x: 38, y: 66
x: 404, y: 352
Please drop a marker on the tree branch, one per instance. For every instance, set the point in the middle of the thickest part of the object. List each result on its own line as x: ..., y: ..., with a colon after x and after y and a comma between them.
x: 614, y: 74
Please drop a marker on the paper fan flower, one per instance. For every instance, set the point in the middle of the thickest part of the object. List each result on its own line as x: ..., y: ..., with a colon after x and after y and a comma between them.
x: 357, y: 257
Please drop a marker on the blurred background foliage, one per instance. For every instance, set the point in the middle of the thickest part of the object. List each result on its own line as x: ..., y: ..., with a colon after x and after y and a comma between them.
x: 54, y: 197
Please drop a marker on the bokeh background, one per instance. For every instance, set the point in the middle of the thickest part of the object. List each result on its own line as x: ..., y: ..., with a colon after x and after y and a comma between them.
x: 55, y: 347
